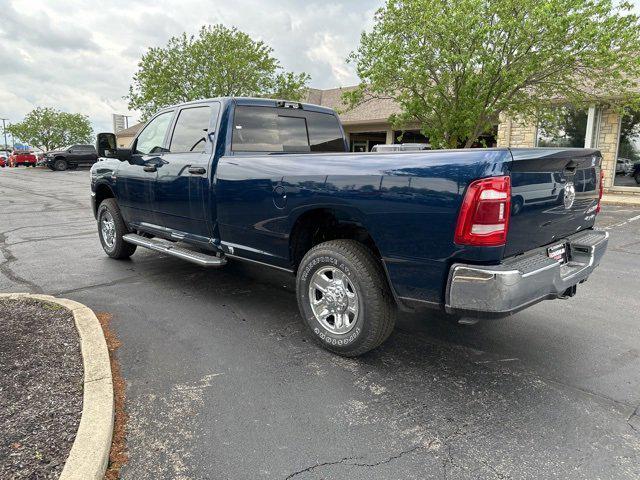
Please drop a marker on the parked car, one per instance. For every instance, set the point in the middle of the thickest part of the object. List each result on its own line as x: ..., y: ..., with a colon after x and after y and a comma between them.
x: 401, y: 147
x: 4, y: 158
x: 535, y: 188
x: 624, y: 166
x: 22, y: 157
x: 269, y: 182
x: 635, y: 173
x: 71, y: 157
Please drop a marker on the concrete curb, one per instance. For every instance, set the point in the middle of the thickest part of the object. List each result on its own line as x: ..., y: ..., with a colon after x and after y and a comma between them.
x: 89, y: 453
x: 621, y: 200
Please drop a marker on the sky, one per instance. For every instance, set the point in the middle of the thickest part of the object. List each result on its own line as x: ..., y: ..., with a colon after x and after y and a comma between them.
x: 80, y: 56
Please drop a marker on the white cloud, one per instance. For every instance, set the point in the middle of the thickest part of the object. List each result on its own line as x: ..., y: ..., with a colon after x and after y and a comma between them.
x: 80, y: 55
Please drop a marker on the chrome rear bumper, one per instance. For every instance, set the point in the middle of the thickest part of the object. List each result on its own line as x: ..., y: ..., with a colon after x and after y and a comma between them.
x: 521, y: 281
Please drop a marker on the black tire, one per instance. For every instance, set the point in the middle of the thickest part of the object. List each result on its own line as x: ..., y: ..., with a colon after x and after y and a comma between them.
x: 516, y: 207
x: 119, y: 249
x: 376, y: 314
x: 60, y: 165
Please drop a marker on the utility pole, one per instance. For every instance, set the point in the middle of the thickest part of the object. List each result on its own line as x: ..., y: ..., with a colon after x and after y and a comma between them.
x: 4, y: 130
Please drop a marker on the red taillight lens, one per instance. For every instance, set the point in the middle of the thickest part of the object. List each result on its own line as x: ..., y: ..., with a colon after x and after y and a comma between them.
x: 601, y: 190
x: 484, y: 215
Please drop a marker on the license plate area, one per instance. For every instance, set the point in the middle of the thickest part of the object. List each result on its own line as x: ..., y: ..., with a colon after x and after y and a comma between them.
x: 559, y: 252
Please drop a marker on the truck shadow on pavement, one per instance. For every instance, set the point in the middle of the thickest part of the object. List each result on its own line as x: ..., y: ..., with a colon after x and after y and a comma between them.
x: 434, y: 394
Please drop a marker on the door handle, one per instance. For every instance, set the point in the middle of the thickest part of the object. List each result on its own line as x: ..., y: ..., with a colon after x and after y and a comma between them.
x: 149, y: 168
x: 197, y: 170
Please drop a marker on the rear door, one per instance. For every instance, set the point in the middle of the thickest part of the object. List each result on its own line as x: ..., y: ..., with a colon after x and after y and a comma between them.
x: 182, y: 184
x: 86, y: 154
x: 555, y: 193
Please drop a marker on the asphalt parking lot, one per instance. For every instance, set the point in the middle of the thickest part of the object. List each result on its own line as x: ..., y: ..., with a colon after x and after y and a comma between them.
x: 222, y: 381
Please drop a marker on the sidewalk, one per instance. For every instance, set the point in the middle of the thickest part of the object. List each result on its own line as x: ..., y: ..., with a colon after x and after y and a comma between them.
x: 621, y: 199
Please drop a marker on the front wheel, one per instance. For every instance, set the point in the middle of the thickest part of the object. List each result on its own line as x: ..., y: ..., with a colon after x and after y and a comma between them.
x: 60, y: 165
x: 344, y: 297
x: 111, y: 229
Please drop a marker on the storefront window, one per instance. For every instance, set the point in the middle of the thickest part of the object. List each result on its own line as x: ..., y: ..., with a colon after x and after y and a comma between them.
x: 628, y: 161
x: 565, y: 127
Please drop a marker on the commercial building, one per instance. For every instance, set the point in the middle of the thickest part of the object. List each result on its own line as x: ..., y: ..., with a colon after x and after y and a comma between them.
x: 617, y: 136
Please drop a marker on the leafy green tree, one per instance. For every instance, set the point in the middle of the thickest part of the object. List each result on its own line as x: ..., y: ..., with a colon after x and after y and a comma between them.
x: 219, y: 61
x: 49, y: 128
x: 454, y: 65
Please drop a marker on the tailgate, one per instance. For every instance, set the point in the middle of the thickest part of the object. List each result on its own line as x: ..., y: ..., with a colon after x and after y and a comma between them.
x: 554, y: 193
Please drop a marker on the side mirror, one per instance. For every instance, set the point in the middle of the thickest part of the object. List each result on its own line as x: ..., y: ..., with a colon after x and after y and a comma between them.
x: 106, y: 146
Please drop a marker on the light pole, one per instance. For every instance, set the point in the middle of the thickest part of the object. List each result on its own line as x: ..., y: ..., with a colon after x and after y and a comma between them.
x: 4, y: 130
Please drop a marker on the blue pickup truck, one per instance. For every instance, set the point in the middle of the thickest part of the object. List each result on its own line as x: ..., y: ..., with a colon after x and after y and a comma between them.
x: 476, y: 233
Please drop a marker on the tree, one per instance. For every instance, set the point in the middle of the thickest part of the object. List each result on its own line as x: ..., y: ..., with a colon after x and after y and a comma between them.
x: 49, y: 128
x: 219, y: 61
x: 455, y: 65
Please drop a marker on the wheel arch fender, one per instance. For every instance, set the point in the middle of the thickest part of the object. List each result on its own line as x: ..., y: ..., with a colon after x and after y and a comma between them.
x: 102, y: 191
x: 313, y: 224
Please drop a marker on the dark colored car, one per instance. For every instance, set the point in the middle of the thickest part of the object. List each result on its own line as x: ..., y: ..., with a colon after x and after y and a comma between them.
x: 22, y: 157
x: 72, y: 157
x: 635, y: 173
x: 366, y: 234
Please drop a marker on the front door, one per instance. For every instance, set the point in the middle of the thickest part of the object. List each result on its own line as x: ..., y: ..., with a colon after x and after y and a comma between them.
x: 136, y: 177
x: 183, y: 181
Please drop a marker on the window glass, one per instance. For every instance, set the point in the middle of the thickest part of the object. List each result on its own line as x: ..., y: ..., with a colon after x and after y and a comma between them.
x: 628, y: 161
x: 190, y: 133
x: 565, y: 127
x: 266, y: 129
x: 293, y: 134
x: 151, y: 139
x: 324, y: 133
x: 255, y: 129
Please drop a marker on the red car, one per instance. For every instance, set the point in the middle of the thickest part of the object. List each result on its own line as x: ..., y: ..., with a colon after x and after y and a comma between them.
x: 22, y: 157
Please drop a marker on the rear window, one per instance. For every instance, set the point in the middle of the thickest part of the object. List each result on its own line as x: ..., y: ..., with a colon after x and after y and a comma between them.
x: 267, y: 129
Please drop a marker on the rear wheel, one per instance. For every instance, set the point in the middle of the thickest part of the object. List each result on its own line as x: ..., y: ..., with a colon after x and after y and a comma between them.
x: 60, y: 165
x: 344, y: 297
x: 111, y: 229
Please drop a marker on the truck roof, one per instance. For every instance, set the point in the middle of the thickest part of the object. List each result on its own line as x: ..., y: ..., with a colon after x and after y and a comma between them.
x: 259, y: 102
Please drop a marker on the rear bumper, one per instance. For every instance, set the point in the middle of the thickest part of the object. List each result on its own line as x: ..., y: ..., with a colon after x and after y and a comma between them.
x: 519, y: 282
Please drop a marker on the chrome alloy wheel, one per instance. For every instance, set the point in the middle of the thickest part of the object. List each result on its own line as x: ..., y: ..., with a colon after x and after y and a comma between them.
x: 334, y: 300
x: 108, y: 229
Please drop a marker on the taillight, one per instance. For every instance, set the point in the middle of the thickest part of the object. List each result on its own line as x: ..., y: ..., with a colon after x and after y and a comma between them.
x: 484, y: 215
x: 601, y: 190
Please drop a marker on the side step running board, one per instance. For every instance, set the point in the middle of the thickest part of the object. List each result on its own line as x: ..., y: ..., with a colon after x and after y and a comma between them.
x: 171, y: 248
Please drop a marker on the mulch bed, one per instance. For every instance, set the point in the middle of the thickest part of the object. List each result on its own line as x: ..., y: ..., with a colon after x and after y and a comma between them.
x: 40, y: 388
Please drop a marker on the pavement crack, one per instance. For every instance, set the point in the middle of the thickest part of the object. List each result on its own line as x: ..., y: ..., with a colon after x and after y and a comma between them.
x: 634, y: 420
x: 348, y: 460
x: 394, y: 457
x: 318, y: 465
x: 6, y: 270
